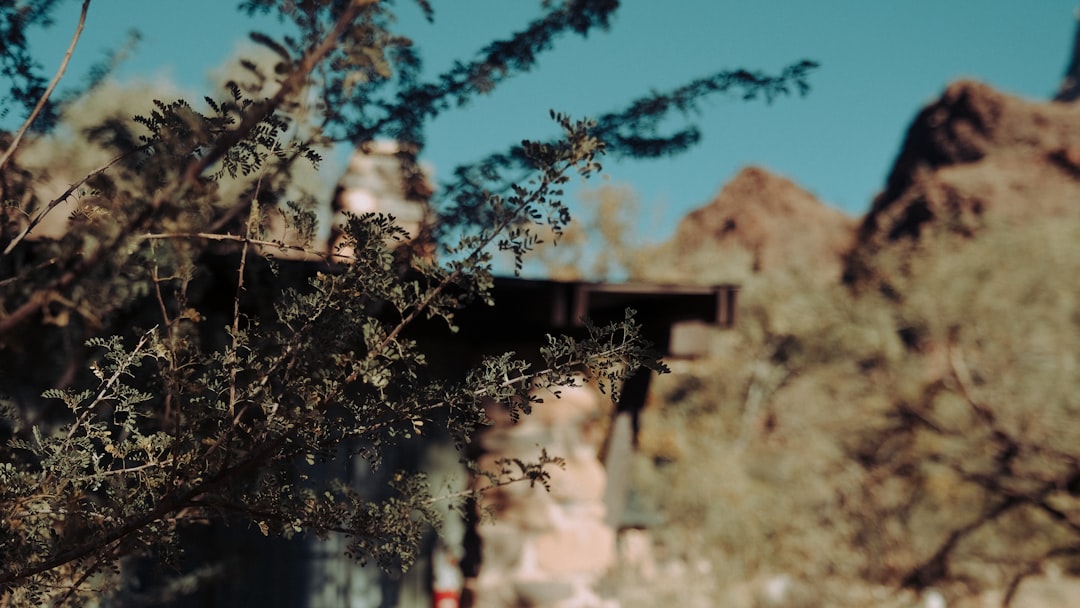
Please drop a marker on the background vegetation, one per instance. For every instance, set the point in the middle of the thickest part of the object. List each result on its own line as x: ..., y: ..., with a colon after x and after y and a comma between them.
x: 852, y: 443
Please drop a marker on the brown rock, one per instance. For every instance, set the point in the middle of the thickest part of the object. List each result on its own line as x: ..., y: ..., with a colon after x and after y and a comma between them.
x: 781, y: 226
x: 974, y: 157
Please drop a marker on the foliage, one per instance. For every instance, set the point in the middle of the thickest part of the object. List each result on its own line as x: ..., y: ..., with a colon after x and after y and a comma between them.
x: 190, y: 376
x: 981, y: 458
x: 873, y: 441
x: 862, y: 441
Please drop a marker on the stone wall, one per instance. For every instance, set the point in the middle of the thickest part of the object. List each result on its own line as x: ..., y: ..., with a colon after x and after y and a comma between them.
x: 540, y: 547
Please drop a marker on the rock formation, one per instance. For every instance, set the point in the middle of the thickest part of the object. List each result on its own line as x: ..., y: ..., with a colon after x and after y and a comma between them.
x: 973, y: 157
x: 766, y: 222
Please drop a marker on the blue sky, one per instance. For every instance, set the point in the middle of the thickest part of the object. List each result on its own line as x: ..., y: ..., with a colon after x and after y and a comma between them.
x: 881, y: 61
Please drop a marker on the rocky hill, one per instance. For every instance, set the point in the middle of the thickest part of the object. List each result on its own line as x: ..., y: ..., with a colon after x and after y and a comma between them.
x: 766, y: 223
x: 974, y: 157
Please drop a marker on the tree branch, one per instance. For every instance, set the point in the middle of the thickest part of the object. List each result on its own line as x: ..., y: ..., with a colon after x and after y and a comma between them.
x: 71, y: 189
x: 48, y: 91
x: 190, y: 176
x: 266, y: 108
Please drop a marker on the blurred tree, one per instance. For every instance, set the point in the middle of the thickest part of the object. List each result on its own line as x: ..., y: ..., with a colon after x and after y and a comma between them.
x: 161, y: 411
x: 598, y: 244
x: 972, y: 468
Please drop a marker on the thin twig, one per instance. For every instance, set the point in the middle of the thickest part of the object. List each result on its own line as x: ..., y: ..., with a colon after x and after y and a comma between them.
x: 262, y: 111
x: 211, y: 236
x: 1033, y: 570
x: 106, y: 386
x: 935, y: 568
x: 78, y: 583
x: 48, y: 91
x: 126, y: 470
x: 253, y: 217
x: 67, y: 193
x: 29, y: 271
x: 161, y: 299
x: 122, y: 368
